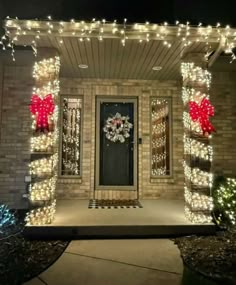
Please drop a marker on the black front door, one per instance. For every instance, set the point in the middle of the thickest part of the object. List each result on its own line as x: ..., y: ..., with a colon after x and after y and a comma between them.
x: 116, y: 144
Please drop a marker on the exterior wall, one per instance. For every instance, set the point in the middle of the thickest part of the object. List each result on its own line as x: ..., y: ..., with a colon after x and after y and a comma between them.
x: 15, y: 131
x: 223, y: 97
x: 15, y: 120
x: 171, y: 188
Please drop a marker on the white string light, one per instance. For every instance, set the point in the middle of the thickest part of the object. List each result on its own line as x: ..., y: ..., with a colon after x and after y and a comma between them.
x: 198, y: 203
x: 46, y: 74
x: 185, y: 33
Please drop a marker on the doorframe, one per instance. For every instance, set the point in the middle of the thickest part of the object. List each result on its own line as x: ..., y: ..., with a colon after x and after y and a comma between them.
x: 125, y: 99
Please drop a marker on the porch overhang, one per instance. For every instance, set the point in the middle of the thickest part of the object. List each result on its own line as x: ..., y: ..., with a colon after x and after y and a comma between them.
x: 122, y: 51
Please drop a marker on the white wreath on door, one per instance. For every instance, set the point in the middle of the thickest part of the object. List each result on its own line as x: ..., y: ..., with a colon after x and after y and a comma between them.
x: 117, y: 128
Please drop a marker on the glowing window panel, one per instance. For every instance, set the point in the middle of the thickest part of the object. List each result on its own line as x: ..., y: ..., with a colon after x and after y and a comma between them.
x: 160, y: 137
x: 71, y: 136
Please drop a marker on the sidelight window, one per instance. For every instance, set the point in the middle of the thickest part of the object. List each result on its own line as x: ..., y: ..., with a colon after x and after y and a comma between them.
x: 160, y: 136
x: 71, y: 136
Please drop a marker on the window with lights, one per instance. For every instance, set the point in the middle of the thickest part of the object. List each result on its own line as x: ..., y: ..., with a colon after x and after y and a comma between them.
x: 160, y: 136
x: 71, y: 133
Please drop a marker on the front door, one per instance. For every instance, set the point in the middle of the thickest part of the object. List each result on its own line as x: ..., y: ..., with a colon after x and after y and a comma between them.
x: 116, y: 144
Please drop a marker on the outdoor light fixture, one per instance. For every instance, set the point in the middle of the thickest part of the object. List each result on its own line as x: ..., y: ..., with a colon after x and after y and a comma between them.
x: 83, y: 66
x: 157, y: 68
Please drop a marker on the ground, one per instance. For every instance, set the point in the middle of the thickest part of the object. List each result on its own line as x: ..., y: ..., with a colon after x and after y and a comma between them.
x: 211, y: 256
x: 117, y: 262
x: 23, y: 259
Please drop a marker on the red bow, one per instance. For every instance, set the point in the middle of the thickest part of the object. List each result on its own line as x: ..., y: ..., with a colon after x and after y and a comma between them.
x: 201, y: 114
x: 42, y: 108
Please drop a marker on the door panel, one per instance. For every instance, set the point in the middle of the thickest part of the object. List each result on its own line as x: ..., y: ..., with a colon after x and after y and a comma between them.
x: 116, y: 161
x: 116, y: 158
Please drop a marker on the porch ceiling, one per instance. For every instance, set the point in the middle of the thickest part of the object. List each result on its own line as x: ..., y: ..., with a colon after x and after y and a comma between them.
x: 115, y: 51
x: 109, y: 59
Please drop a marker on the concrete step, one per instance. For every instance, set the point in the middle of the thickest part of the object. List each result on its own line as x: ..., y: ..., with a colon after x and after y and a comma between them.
x: 117, y: 231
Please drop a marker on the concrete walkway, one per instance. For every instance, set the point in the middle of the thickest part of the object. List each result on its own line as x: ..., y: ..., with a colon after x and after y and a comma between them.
x: 115, y: 262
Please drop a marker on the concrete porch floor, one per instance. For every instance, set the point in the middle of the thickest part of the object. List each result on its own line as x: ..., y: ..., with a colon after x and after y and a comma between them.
x: 154, y: 212
x: 157, y: 218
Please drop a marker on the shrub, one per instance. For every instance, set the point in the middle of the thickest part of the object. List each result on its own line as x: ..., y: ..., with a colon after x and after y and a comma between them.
x: 224, y: 196
x: 7, y: 218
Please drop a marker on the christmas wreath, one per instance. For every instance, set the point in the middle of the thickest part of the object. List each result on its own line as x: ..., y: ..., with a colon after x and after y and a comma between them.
x: 117, y: 128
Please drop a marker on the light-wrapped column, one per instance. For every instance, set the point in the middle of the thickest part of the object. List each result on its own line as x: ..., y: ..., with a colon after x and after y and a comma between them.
x: 44, y: 141
x: 198, y: 153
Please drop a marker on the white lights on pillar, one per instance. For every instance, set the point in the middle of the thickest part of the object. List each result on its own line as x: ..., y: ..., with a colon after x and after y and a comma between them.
x: 44, y: 142
x: 198, y: 154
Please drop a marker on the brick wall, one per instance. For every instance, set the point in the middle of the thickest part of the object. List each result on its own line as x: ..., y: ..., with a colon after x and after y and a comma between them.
x: 223, y: 97
x: 15, y: 122
x: 14, y: 134
x: 148, y: 188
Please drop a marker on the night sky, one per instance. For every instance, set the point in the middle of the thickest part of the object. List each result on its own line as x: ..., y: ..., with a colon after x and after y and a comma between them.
x: 205, y: 11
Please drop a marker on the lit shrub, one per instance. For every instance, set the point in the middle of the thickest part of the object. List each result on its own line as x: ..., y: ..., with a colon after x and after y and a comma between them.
x: 224, y: 194
x: 7, y: 218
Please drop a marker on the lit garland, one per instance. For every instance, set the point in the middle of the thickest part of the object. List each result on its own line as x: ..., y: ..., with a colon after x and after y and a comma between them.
x: 41, y: 216
x: 46, y: 68
x: 43, y: 142
x: 198, y: 177
x: 198, y: 216
x: 44, y: 190
x: 198, y: 201
x: 101, y: 29
x: 43, y: 166
x: 190, y: 94
x: 189, y: 124
x: 195, y: 73
x: 197, y: 150
x: 46, y: 74
x: 50, y: 87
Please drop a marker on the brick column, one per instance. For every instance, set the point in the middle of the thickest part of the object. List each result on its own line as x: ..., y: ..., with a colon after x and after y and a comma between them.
x: 197, y: 150
x: 44, y: 140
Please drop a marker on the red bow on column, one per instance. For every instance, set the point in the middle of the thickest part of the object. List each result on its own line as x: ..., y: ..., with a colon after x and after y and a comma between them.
x: 201, y: 112
x: 42, y: 108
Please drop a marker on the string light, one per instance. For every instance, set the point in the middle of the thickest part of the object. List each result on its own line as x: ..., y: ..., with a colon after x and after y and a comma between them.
x: 71, y: 132
x: 43, y: 190
x: 104, y: 29
x: 44, y: 140
x: 198, y: 202
x: 41, y: 216
x: 159, y: 116
x: 226, y: 198
x: 197, y: 177
x: 197, y: 149
x: 193, y: 73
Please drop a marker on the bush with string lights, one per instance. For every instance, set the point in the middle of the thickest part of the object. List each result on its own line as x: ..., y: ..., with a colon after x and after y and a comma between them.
x: 224, y: 195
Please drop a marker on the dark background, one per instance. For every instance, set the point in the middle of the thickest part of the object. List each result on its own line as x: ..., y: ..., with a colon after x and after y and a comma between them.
x: 205, y: 11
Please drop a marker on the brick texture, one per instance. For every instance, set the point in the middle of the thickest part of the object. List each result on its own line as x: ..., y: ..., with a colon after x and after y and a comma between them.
x: 223, y: 97
x: 15, y: 132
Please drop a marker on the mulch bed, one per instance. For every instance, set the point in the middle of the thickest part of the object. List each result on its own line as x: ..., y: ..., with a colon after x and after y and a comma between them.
x: 22, y: 259
x: 211, y: 256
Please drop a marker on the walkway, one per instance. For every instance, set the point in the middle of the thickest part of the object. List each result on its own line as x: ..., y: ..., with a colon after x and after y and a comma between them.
x: 115, y: 262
